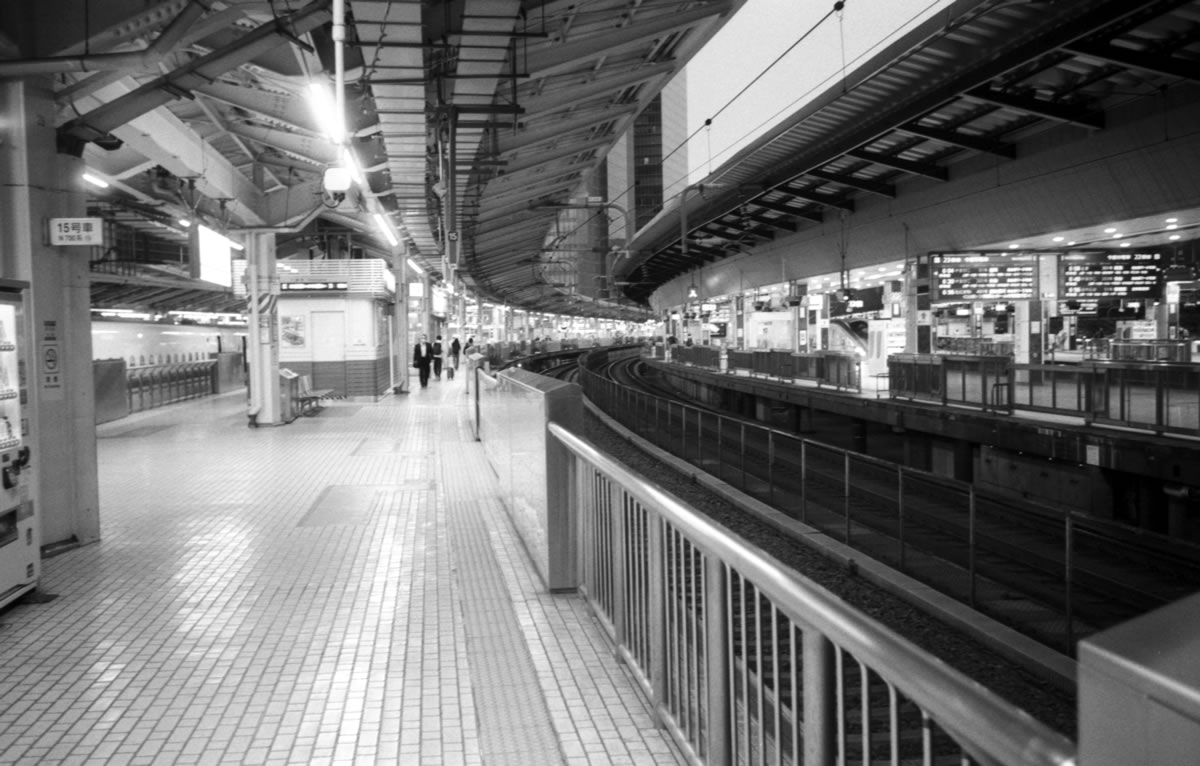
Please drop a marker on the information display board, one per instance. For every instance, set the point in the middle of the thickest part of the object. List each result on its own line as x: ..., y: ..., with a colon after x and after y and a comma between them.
x: 983, y: 276
x: 1110, y: 275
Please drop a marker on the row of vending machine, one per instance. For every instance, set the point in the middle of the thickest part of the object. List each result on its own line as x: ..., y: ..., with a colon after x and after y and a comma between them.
x: 20, y: 538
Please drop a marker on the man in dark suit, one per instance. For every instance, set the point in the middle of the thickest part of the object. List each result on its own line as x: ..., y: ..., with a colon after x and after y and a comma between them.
x: 422, y: 358
x: 438, y: 352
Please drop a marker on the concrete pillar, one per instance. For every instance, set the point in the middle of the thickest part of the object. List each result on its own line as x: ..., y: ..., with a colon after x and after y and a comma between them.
x: 262, y: 345
x: 36, y: 184
x: 401, y: 347
x: 427, y: 306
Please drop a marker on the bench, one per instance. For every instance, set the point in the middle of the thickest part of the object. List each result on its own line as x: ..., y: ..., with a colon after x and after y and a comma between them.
x: 308, y: 398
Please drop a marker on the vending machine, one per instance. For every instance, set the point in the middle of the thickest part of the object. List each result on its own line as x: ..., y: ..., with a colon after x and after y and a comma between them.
x: 20, y: 537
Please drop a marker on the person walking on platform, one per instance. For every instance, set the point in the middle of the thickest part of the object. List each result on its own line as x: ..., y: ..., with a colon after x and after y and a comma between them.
x: 422, y: 358
x: 455, y: 351
x: 437, y: 357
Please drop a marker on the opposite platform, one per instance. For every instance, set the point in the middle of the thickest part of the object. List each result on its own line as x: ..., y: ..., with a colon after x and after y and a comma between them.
x: 343, y: 589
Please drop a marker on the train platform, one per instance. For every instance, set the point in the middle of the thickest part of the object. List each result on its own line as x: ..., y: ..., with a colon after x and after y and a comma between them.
x: 345, y: 589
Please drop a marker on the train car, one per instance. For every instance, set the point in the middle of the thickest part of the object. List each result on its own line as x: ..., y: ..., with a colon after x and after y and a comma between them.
x: 143, y: 344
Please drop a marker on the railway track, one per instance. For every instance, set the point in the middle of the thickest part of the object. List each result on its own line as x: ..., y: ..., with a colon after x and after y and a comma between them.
x: 1006, y: 559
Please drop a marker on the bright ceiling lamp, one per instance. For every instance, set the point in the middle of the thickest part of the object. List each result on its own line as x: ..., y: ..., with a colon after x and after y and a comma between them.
x: 337, y: 179
x: 324, y: 108
x: 95, y: 180
x: 386, y: 228
x: 416, y: 267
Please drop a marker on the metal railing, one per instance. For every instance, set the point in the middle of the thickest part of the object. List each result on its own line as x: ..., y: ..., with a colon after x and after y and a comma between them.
x: 1158, y: 396
x: 826, y: 368
x: 160, y: 384
x: 940, y: 530
x: 749, y: 664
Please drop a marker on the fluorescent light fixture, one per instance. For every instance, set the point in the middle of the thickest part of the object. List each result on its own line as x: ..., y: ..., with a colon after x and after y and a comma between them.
x: 1110, y: 230
x: 94, y: 180
x: 413, y: 265
x: 236, y: 245
x: 325, y: 110
x: 1059, y: 239
x: 1126, y: 244
x: 1172, y: 226
x: 351, y: 164
x: 1174, y: 236
x: 184, y: 222
x: 386, y: 228
x: 1013, y: 246
x: 1118, y: 235
x: 1172, y: 220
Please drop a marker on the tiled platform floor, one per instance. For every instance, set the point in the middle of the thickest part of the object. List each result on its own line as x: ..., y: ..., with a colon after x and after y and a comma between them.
x: 343, y: 589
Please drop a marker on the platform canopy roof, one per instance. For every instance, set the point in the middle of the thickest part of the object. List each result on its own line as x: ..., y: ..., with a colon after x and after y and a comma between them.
x: 200, y: 109
x: 977, y: 78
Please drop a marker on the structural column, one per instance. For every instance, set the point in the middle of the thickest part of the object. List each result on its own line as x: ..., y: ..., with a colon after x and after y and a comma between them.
x: 401, y: 347
x: 36, y: 184
x: 262, y: 343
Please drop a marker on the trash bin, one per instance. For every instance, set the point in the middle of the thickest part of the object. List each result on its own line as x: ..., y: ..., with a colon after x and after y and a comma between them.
x: 289, y: 389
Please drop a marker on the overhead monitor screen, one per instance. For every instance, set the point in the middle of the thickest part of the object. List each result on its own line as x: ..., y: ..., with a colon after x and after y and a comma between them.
x: 212, y: 257
x: 1111, y: 275
x: 983, y: 276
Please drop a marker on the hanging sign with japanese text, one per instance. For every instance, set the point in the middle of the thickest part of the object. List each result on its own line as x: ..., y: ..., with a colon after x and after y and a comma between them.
x: 76, y: 231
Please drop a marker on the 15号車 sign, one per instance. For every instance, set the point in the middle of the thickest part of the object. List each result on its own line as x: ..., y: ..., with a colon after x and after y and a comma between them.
x: 76, y: 231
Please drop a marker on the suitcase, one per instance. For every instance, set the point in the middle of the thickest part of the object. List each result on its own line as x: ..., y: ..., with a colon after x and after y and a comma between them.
x: 449, y: 373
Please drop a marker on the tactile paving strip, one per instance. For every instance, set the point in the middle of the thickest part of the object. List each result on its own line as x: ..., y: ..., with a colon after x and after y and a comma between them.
x: 514, y: 723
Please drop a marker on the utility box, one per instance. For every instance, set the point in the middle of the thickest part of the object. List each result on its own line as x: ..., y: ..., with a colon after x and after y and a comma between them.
x: 1139, y: 689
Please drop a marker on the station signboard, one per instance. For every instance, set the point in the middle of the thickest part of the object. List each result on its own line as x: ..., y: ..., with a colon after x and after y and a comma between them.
x: 313, y: 287
x: 1110, y: 275
x: 983, y: 276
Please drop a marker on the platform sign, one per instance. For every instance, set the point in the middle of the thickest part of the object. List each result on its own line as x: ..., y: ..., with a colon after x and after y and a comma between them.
x: 983, y: 276
x: 1110, y: 275
x: 314, y: 287
x: 76, y: 231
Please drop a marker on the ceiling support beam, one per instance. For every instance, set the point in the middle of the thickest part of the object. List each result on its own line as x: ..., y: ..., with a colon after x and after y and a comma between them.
x: 844, y: 179
x: 102, y: 120
x: 926, y: 169
x: 545, y: 60
x: 1058, y: 112
x: 961, y: 140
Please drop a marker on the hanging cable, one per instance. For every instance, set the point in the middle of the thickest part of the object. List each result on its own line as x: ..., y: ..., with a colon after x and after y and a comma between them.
x: 837, y: 8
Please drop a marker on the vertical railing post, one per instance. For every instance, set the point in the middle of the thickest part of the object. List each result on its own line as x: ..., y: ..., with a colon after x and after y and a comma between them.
x: 616, y: 504
x: 1160, y: 409
x: 1069, y: 581
x: 718, y: 662
x: 771, y: 466
x: 846, y: 491
x: 804, y: 480
x: 742, y: 450
x: 683, y: 431
x: 658, y: 626
x: 971, y: 542
x: 900, y: 513
x: 819, y: 699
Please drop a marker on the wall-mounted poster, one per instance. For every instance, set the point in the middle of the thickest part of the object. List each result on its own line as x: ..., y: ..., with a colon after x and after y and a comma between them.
x: 292, y: 331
